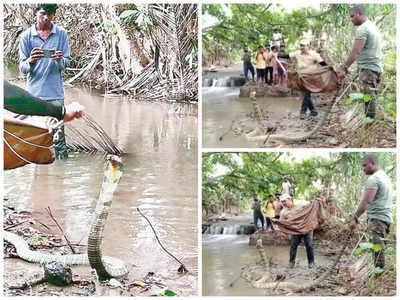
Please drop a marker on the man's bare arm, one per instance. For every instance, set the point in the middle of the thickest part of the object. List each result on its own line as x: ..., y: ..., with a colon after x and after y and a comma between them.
x: 368, y: 197
x: 358, y: 45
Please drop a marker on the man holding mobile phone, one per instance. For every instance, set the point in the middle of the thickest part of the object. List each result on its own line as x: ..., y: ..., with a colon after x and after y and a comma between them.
x: 44, y: 53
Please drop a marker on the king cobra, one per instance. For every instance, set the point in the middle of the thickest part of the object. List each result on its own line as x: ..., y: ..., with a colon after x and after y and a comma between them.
x: 106, y: 267
x: 304, y: 136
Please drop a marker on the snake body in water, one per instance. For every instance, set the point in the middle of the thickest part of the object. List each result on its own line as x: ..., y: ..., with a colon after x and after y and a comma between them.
x: 106, y: 267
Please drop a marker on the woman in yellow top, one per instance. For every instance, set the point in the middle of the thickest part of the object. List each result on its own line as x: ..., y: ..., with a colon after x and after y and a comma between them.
x: 260, y: 64
x: 268, y: 66
x: 269, y: 212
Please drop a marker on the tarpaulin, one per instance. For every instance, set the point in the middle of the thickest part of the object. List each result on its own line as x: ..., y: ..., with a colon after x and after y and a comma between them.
x: 306, y: 219
x: 324, y: 80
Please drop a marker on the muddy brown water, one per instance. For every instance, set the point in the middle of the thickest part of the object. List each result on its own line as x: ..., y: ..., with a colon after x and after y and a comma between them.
x: 222, y: 105
x: 160, y: 178
x: 223, y: 256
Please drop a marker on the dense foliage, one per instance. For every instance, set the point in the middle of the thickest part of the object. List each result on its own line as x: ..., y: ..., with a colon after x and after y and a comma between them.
x: 231, y: 179
x: 146, y: 50
x: 228, y: 27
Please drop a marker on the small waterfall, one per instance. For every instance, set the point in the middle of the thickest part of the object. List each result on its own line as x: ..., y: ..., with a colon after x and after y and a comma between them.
x: 224, y: 82
x: 229, y: 229
x: 232, y: 229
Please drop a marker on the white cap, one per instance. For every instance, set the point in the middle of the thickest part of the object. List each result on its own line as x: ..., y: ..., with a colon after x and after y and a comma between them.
x: 284, y: 197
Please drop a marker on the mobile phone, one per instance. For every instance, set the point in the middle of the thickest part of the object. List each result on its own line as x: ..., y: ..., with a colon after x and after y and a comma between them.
x: 48, y: 52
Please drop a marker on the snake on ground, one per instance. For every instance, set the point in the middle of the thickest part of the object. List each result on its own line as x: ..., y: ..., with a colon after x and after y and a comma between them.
x: 106, y: 267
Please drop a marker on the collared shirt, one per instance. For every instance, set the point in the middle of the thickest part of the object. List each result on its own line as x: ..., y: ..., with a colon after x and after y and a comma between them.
x: 307, y: 63
x: 44, y: 75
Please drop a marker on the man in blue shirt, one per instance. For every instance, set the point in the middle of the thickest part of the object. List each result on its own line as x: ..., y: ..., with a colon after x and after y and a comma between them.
x: 44, y: 53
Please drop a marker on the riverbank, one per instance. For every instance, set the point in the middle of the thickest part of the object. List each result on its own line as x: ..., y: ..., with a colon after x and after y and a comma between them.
x: 348, y: 276
x: 228, y: 118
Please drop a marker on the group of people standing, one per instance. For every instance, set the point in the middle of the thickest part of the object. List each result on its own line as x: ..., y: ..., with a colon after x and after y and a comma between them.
x: 269, y: 69
x: 272, y: 206
x: 283, y: 207
x: 272, y: 62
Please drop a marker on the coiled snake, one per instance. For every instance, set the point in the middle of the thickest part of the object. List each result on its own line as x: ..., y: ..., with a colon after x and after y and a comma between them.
x: 106, y: 267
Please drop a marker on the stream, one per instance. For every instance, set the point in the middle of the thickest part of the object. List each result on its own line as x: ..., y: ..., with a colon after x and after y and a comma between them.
x: 159, y: 177
x: 224, y: 255
x: 222, y: 104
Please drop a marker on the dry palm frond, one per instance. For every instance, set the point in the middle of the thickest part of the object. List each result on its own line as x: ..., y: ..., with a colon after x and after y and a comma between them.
x: 91, y: 138
x: 176, y: 37
x: 153, y: 62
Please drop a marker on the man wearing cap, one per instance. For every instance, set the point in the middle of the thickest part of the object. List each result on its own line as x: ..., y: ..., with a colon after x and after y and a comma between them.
x: 367, y: 50
x: 377, y: 200
x: 43, y: 54
x: 290, y: 209
x: 307, y: 61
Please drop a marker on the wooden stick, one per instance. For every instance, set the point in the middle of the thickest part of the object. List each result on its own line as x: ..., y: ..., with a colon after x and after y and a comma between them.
x: 59, y: 227
x: 182, y: 267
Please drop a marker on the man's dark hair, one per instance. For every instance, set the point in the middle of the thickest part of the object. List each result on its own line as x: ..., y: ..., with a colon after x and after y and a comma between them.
x: 370, y: 158
x: 358, y: 9
x: 49, y: 8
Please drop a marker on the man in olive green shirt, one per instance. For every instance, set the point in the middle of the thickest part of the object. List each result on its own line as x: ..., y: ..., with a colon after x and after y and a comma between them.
x: 367, y: 49
x: 257, y: 213
x: 247, y: 65
x: 377, y: 201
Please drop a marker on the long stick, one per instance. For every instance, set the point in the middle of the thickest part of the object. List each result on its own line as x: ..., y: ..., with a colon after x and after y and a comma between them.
x: 280, y: 64
x: 182, y: 267
x: 59, y: 227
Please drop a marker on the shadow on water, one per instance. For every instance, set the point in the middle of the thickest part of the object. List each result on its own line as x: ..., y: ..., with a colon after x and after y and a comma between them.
x: 160, y: 177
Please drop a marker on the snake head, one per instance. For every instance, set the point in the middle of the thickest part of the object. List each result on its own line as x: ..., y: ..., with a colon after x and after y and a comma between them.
x: 115, y: 161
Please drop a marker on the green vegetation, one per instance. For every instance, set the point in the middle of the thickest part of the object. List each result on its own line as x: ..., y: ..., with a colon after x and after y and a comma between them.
x: 227, y: 28
x: 241, y: 175
x: 231, y: 179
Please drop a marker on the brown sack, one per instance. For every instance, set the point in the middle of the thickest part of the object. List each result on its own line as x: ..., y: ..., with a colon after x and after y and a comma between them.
x: 32, y: 130
x: 324, y: 80
x: 310, y: 218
